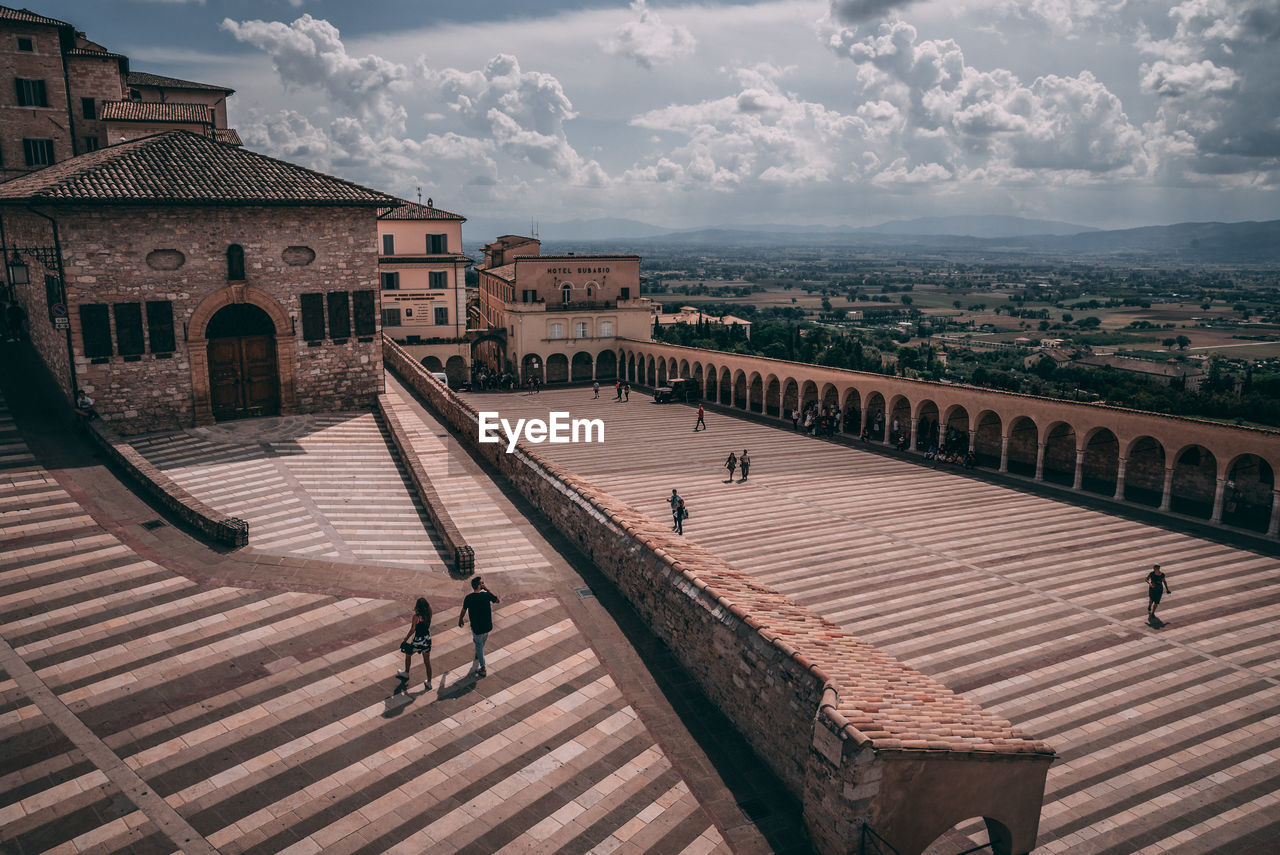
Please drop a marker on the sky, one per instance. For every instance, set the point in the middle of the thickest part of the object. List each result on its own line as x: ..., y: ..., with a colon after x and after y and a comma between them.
x: 1104, y: 113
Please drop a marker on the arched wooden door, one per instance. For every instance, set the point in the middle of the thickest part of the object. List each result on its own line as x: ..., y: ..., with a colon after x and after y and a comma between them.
x: 244, y: 379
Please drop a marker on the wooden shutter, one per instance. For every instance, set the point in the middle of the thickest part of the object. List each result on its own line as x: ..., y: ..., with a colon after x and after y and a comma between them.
x: 160, y: 325
x: 363, y: 309
x: 95, y: 329
x: 129, y: 340
x: 313, y: 317
x: 339, y: 314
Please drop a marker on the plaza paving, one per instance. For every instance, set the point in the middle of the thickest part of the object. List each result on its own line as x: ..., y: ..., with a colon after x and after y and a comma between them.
x: 160, y: 696
x: 1032, y: 607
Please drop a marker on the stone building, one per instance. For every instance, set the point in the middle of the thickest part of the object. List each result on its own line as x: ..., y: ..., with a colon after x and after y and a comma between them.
x: 561, y: 315
x: 70, y: 95
x: 180, y: 280
x: 424, y: 285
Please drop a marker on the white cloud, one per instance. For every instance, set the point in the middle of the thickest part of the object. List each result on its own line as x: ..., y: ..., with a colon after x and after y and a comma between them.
x: 1064, y: 18
x: 648, y: 41
x: 858, y: 11
x: 309, y: 53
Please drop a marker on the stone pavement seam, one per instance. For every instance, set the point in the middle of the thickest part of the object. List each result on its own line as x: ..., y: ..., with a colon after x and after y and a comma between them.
x: 161, y: 814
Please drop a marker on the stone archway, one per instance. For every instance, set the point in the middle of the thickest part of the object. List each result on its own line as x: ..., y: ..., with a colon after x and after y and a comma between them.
x: 282, y: 342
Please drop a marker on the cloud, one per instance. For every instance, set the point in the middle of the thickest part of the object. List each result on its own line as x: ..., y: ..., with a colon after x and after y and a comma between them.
x: 1064, y: 18
x: 309, y: 53
x: 858, y: 11
x: 648, y: 41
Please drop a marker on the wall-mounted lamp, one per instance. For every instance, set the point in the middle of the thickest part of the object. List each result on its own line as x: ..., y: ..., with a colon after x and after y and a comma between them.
x: 18, y: 274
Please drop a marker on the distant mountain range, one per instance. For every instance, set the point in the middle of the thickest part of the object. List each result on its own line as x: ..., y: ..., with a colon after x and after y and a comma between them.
x: 1247, y: 242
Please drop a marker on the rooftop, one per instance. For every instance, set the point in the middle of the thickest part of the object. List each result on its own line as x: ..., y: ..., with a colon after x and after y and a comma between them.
x: 156, y: 111
x: 415, y: 211
x: 28, y: 17
x: 177, y: 167
x: 142, y: 78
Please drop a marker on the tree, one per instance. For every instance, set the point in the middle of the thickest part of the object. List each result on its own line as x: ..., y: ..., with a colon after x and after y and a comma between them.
x: 1044, y: 367
x: 1183, y: 342
x: 906, y: 300
x: 1168, y: 342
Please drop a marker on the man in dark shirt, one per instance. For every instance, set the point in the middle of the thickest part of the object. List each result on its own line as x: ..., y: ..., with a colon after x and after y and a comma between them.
x: 479, y: 603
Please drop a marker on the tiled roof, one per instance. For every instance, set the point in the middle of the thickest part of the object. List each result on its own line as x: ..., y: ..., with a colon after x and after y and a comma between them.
x: 142, y: 78
x: 227, y: 135
x: 101, y: 54
x: 155, y: 111
x: 413, y: 211
x: 506, y: 272
x: 29, y: 17
x: 177, y: 167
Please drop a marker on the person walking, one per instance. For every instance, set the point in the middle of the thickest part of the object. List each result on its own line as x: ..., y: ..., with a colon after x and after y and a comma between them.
x: 1157, y: 587
x: 731, y: 464
x: 417, y: 639
x: 681, y: 513
x: 675, y: 502
x: 617, y: 391
x: 479, y: 604
x: 595, y: 388
x: 701, y: 423
x: 745, y: 462
x: 626, y: 393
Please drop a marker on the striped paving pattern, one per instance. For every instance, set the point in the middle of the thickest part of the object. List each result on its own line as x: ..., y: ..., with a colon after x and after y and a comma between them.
x: 1033, y: 608
x: 267, y: 721
x: 321, y: 486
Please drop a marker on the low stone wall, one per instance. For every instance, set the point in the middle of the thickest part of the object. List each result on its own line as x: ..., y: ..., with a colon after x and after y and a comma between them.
x: 216, y: 525
x: 825, y: 710
x: 464, y: 557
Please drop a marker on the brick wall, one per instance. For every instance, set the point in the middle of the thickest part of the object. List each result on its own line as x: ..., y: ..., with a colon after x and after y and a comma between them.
x: 16, y: 123
x: 99, y: 79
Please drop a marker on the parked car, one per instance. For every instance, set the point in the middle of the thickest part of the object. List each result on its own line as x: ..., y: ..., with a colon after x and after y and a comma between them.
x: 681, y: 389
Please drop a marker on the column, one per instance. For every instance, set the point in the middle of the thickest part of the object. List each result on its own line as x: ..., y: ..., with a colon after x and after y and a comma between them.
x: 915, y: 423
x: 973, y: 440
x: 1119, y: 496
x: 1219, y: 492
x: 1167, y: 498
x: 888, y: 428
x: 1079, y: 479
x: 1040, y: 461
x: 1004, y: 453
x: 1273, y: 530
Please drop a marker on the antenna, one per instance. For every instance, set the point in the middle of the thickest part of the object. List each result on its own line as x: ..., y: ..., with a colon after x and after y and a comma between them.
x: 419, y: 195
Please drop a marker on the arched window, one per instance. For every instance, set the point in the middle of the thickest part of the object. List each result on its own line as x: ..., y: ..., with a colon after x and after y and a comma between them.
x: 566, y: 294
x: 235, y: 262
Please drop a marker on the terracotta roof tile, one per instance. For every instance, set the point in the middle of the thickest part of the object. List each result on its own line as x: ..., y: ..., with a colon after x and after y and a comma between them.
x: 413, y: 211
x: 29, y: 17
x: 184, y: 168
x: 156, y: 111
x: 101, y: 54
x: 227, y: 135
x: 142, y: 78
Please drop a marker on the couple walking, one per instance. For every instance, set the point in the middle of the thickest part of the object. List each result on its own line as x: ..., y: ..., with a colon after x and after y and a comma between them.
x: 479, y: 604
x: 734, y: 462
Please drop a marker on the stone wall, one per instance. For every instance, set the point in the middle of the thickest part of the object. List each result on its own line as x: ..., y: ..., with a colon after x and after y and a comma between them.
x: 17, y: 123
x: 823, y: 709
x: 22, y: 228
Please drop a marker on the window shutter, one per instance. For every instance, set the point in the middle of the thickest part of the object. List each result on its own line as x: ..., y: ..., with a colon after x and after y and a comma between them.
x: 339, y: 314
x: 95, y: 328
x: 129, y: 328
x: 388, y: 244
x: 391, y: 317
x: 363, y: 309
x: 313, y: 317
x: 160, y: 325
x: 442, y: 315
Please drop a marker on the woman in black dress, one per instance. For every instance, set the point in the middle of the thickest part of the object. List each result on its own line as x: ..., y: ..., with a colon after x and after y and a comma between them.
x: 418, y: 639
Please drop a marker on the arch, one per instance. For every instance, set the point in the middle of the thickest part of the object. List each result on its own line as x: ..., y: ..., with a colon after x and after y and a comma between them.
x: 1144, y: 472
x: 243, y: 375
x: 986, y: 442
x: 607, y: 365
x: 684, y: 368
x: 829, y: 398
x: 899, y: 418
x: 1249, y: 493
x: 650, y: 373
x: 673, y: 369
x: 433, y: 364
x: 1060, y: 454
x: 557, y: 368
x: 1101, y: 463
x: 726, y: 387
x: 631, y: 368
x: 713, y: 384
x: 455, y: 368
x: 772, y: 396
x: 852, y: 411
x: 235, y: 263
x: 198, y: 353
x: 875, y: 416
x: 533, y: 366
x: 490, y: 349
x: 928, y: 426
x: 1195, y: 481
x: 698, y: 378
x: 566, y: 293
x: 580, y: 367
x: 1024, y: 442
x: 808, y: 395
x: 740, y: 389
x: 661, y: 378
x: 755, y: 393
x: 993, y: 836
x: 790, y: 397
